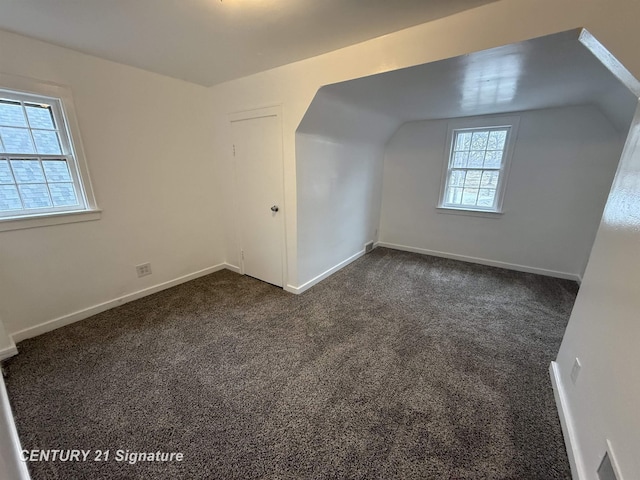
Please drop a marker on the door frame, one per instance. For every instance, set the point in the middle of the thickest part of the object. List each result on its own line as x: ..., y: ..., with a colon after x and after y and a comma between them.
x: 252, y: 114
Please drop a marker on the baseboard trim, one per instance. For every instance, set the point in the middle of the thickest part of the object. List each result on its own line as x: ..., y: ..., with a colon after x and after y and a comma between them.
x: 484, y: 261
x: 9, y: 351
x: 101, y: 307
x: 233, y: 268
x: 566, y: 422
x: 14, y: 466
x: 306, y: 286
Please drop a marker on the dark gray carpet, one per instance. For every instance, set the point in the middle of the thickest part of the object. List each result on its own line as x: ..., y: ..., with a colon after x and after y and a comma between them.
x: 400, y: 366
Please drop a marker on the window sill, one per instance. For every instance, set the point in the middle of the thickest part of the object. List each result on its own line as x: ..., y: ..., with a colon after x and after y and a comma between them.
x: 48, y: 219
x: 470, y: 213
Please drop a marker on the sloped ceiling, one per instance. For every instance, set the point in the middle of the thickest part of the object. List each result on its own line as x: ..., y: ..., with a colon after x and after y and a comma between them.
x: 211, y: 41
x: 552, y: 71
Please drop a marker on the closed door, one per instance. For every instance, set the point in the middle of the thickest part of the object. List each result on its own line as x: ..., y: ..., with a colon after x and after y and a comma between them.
x: 257, y: 140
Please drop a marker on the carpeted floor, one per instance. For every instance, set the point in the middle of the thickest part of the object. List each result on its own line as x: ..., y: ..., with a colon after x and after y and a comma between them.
x: 399, y: 366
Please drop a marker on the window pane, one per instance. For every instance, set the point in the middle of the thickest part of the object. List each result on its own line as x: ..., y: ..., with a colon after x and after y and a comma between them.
x: 457, y: 178
x: 35, y: 196
x: 16, y: 140
x: 454, y: 196
x: 469, y: 196
x: 11, y: 114
x: 460, y: 159
x: 476, y: 159
x: 490, y: 179
x: 463, y: 141
x: 27, y: 171
x: 56, y: 171
x: 9, y: 198
x: 40, y: 116
x: 473, y: 178
x: 5, y: 172
x: 475, y: 166
x: 63, y: 194
x: 493, y: 159
x: 497, y: 139
x: 479, y: 140
x: 486, y: 197
x: 47, y: 142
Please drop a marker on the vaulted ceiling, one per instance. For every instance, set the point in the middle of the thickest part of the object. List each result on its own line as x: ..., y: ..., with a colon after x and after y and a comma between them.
x: 552, y: 71
x: 212, y: 41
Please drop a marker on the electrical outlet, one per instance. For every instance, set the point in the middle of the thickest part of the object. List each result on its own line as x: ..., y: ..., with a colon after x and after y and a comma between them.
x: 575, y: 371
x: 143, y: 269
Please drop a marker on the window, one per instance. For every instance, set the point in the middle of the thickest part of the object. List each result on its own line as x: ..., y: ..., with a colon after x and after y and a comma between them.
x: 41, y: 173
x: 477, y: 166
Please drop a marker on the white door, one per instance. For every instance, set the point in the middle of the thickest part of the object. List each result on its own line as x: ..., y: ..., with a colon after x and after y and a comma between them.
x: 257, y: 138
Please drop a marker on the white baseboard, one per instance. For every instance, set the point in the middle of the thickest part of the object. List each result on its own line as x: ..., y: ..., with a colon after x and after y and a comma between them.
x: 484, y: 261
x: 10, y: 449
x: 566, y: 422
x: 233, y: 268
x: 101, y: 307
x: 306, y: 286
x: 9, y: 351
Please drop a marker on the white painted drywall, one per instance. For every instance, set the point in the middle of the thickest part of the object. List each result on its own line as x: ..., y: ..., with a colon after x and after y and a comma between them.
x: 7, y: 347
x: 619, y: 105
x: 338, y: 202
x: 604, y: 331
x: 11, y: 465
x: 563, y: 164
x: 147, y: 143
x: 339, y: 158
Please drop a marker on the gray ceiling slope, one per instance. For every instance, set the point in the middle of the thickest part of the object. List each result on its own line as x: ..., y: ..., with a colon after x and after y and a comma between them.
x: 212, y: 41
x: 551, y: 71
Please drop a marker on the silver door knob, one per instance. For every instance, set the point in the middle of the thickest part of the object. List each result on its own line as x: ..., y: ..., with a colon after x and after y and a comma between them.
x: 275, y: 208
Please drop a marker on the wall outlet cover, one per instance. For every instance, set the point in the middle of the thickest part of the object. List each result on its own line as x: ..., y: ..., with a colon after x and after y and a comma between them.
x: 143, y: 269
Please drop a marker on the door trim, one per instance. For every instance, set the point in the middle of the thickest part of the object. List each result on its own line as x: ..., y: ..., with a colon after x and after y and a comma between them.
x: 268, y: 111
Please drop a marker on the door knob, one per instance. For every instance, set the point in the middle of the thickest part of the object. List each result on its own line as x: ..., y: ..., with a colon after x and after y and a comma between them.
x: 275, y: 208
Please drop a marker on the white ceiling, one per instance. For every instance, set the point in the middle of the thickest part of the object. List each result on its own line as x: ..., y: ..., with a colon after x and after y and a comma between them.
x: 211, y: 41
x: 552, y: 71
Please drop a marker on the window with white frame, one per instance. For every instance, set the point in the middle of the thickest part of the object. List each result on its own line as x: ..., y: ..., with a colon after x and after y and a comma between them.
x: 477, y: 167
x: 39, y: 167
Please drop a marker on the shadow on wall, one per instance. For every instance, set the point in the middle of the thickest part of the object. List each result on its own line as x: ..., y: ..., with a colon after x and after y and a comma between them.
x: 339, y: 152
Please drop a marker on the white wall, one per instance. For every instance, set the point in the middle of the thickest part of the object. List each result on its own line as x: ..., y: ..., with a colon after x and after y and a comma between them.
x: 11, y: 466
x: 339, y: 158
x: 7, y: 347
x: 147, y: 140
x: 604, y: 331
x: 563, y: 164
x: 338, y: 201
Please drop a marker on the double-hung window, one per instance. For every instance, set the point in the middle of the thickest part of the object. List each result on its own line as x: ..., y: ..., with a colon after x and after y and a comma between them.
x: 41, y: 174
x: 477, y: 165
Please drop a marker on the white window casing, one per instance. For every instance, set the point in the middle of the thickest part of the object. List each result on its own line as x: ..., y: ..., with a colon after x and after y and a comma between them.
x: 32, y: 163
x: 476, y: 166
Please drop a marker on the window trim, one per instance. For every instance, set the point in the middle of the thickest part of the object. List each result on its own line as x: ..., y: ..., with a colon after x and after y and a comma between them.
x: 479, y: 123
x: 12, y: 85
